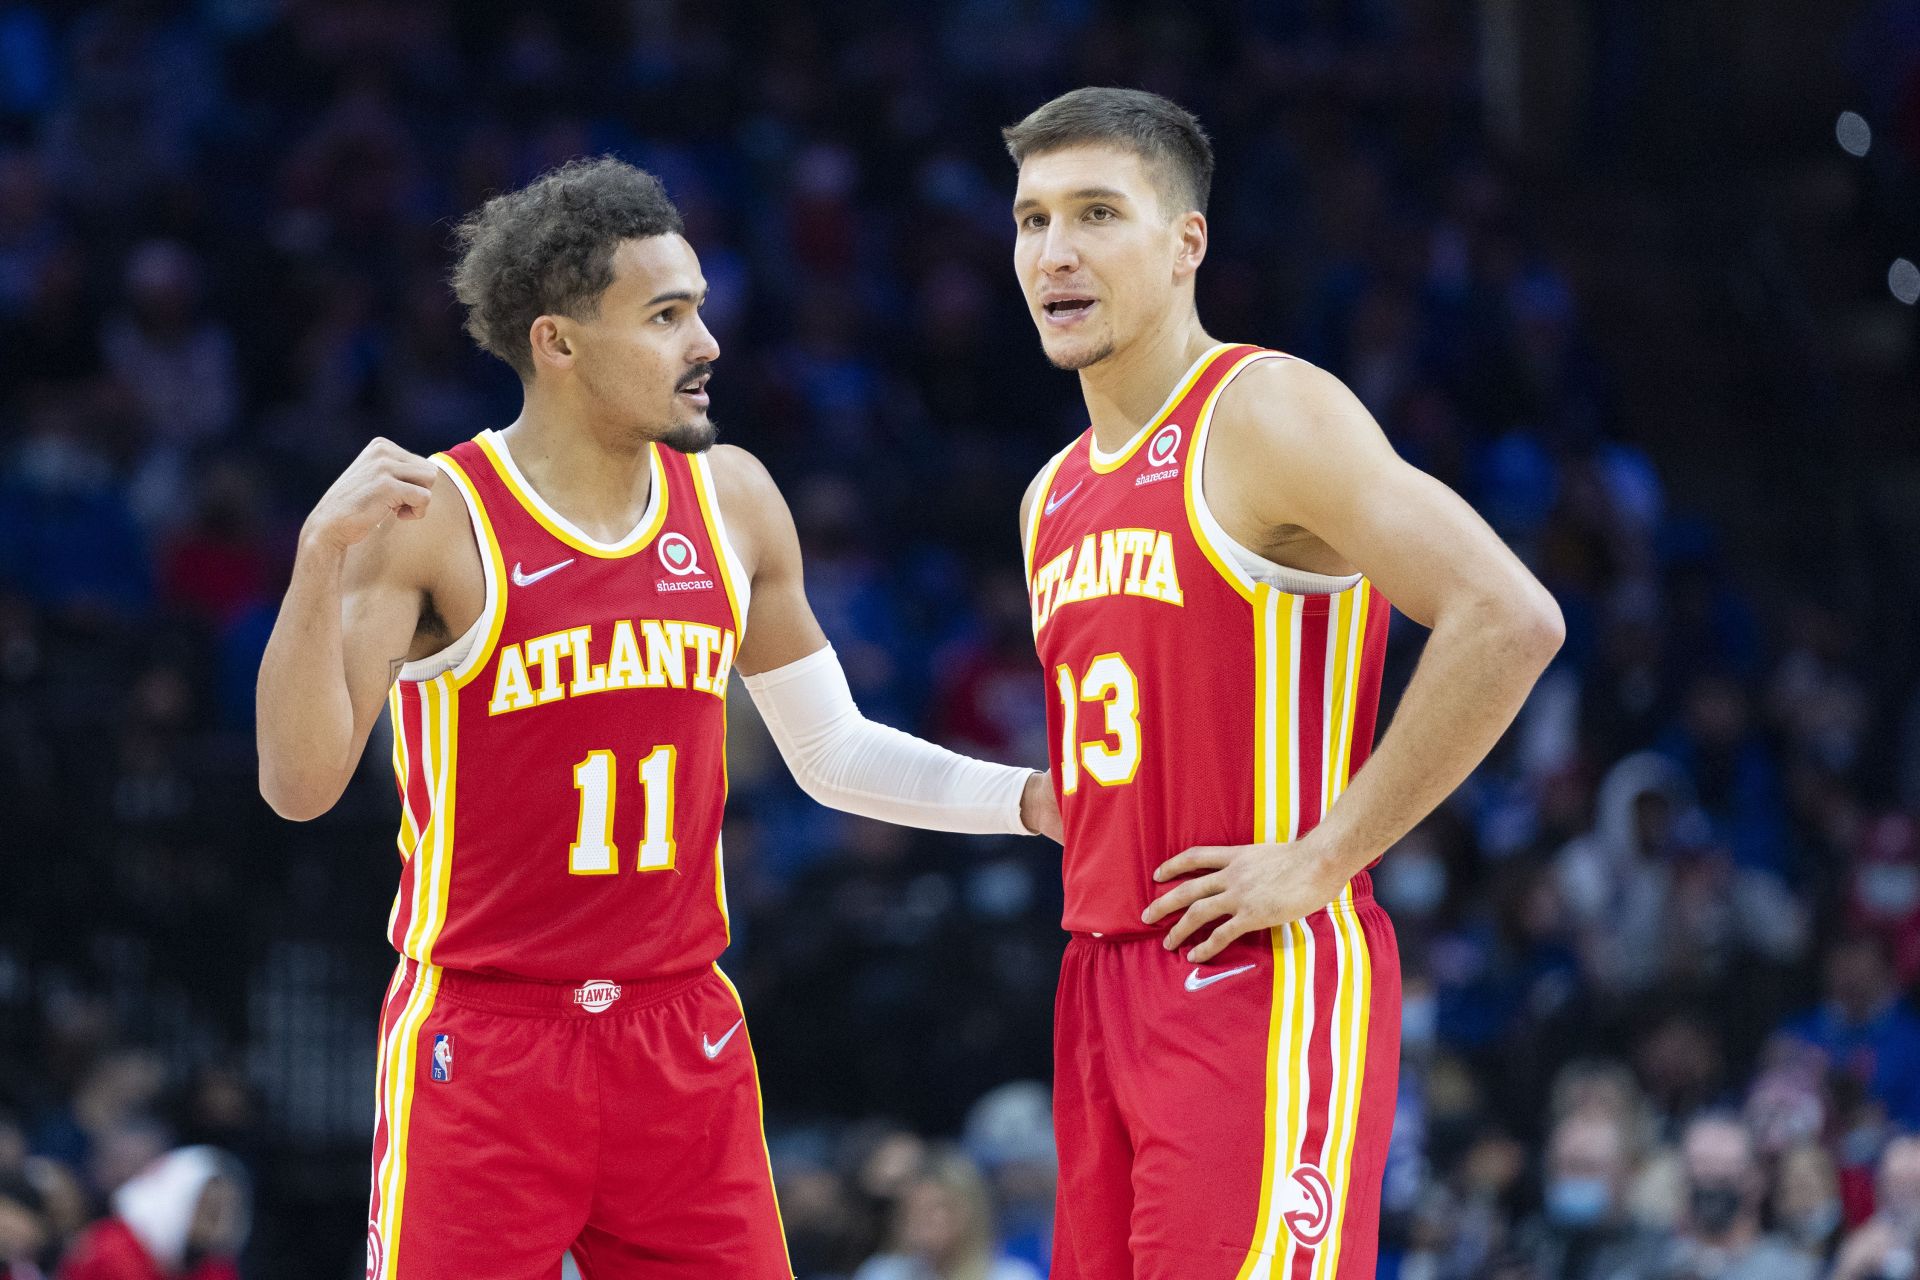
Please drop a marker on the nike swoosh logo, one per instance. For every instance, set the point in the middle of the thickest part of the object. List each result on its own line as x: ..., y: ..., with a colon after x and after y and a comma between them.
x: 528, y: 579
x: 1195, y: 981
x: 1054, y: 504
x: 713, y: 1050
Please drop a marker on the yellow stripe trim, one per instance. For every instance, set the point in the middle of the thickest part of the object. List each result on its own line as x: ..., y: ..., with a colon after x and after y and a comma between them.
x: 730, y: 578
x: 1030, y: 536
x: 409, y: 833
x: 1278, y: 1021
x: 534, y: 505
x: 494, y: 562
x: 1146, y: 433
x: 404, y: 1046
x: 760, y: 1107
x: 1190, y: 482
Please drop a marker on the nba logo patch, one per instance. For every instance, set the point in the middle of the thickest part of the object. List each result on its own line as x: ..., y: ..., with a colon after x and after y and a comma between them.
x: 443, y: 1059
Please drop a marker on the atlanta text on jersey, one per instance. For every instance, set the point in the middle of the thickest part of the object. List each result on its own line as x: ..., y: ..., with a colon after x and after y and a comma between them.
x: 655, y: 657
x: 1135, y: 562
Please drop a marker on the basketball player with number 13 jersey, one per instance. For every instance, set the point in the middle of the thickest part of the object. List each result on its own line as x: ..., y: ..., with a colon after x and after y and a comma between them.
x: 1209, y: 567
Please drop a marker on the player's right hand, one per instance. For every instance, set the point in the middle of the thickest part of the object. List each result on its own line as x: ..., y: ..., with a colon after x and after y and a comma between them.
x: 384, y: 481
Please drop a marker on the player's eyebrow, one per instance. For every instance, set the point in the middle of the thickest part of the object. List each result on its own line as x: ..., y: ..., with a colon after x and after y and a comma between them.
x: 675, y: 295
x: 1075, y: 197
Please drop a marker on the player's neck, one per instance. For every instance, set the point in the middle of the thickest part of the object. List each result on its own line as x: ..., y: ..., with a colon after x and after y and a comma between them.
x: 1127, y: 388
x: 600, y: 485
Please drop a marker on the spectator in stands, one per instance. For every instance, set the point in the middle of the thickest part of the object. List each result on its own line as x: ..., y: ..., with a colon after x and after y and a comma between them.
x: 1806, y: 1201
x: 1720, y: 1236
x: 24, y: 1236
x: 1864, y: 1028
x: 1583, y: 1231
x: 1887, y: 1245
x: 943, y: 1230
x: 185, y: 1217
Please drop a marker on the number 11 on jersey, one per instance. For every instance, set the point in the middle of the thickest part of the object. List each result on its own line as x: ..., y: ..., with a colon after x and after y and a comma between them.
x: 593, y: 852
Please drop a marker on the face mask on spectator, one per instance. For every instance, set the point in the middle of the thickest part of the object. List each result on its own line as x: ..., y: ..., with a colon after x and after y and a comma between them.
x: 1576, y: 1201
x: 1714, y: 1205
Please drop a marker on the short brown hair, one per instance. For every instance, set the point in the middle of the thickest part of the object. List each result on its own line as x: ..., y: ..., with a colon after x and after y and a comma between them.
x: 547, y: 249
x: 1163, y: 133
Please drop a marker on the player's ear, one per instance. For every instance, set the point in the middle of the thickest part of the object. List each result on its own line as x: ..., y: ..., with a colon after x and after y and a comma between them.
x: 1190, y: 244
x: 551, y: 343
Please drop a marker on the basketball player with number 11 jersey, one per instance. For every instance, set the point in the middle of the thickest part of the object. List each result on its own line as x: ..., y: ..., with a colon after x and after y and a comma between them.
x: 549, y: 615
x: 1209, y: 585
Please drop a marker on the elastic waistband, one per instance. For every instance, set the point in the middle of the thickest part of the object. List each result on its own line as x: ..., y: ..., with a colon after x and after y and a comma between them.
x: 1136, y: 934
x: 551, y: 999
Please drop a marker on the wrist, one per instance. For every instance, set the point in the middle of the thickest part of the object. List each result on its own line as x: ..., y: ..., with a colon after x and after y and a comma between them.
x: 1032, y: 801
x: 319, y: 542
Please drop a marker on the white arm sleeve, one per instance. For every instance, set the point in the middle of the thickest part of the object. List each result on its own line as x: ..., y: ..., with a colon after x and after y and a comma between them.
x: 846, y: 761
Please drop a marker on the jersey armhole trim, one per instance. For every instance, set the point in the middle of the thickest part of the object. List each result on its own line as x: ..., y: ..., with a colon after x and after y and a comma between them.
x: 733, y: 575
x: 493, y: 614
x: 1030, y: 536
x: 1221, y: 549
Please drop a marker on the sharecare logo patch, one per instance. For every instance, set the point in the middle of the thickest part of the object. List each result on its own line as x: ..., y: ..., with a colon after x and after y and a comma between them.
x: 1165, y: 443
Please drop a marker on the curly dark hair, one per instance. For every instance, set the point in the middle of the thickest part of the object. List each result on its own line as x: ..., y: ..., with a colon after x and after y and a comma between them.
x: 1162, y: 132
x: 547, y: 249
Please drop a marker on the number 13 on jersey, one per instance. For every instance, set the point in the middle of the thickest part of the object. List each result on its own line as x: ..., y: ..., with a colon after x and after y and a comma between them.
x: 593, y: 852
x: 1112, y: 759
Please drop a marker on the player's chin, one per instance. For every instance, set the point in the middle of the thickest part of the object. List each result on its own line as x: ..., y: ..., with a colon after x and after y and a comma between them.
x: 1076, y: 354
x: 691, y: 435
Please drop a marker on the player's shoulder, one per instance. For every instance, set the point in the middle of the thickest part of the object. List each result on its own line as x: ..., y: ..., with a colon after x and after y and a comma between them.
x: 1039, y: 481
x: 1286, y: 401
x: 741, y: 480
x: 1280, y: 379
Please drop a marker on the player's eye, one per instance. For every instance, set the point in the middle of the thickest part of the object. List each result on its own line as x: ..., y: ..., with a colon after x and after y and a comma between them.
x: 663, y: 317
x: 1100, y: 213
x: 1033, y: 221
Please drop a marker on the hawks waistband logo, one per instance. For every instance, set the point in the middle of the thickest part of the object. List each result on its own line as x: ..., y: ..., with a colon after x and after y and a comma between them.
x: 1312, y: 1205
x: 677, y: 556
x: 1165, y: 443
x: 596, y: 996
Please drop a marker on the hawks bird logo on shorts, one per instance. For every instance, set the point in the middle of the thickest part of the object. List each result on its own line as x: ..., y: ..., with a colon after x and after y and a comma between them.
x: 373, y: 1251
x: 1311, y: 1212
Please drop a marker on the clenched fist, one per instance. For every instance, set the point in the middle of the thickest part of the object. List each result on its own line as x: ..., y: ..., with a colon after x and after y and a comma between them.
x: 385, y: 480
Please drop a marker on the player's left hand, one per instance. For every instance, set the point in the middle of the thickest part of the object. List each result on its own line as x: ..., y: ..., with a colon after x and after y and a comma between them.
x: 1040, y: 808
x: 1247, y: 887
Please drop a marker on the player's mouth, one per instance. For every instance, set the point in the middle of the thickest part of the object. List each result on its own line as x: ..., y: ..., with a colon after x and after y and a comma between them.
x: 695, y: 391
x: 1066, y: 310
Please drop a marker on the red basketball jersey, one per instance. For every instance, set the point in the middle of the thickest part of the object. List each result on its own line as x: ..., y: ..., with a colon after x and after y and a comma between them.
x: 1189, y: 702
x: 561, y: 788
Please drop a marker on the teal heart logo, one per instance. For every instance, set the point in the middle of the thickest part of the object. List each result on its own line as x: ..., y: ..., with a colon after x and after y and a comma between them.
x: 677, y: 554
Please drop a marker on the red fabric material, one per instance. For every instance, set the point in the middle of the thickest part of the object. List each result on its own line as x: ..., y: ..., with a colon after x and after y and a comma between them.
x: 110, y: 1251
x: 630, y: 1136
x: 1162, y: 1106
x: 513, y: 906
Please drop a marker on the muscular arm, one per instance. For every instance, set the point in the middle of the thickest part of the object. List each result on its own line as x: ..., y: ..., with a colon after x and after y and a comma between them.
x: 346, y: 625
x: 1301, y: 452
x: 838, y: 756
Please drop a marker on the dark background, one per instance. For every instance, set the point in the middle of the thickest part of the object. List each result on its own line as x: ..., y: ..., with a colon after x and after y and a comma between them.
x: 1601, y: 265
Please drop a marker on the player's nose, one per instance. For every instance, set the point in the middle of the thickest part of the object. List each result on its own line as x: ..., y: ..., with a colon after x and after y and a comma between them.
x: 706, y: 347
x: 1057, y: 252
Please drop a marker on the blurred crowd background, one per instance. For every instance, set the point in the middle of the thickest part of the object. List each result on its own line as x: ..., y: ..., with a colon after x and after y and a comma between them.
x: 1607, y: 267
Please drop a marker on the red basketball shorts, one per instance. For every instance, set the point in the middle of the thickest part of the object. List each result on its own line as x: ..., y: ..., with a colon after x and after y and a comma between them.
x: 519, y: 1120
x: 1227, y: 1121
